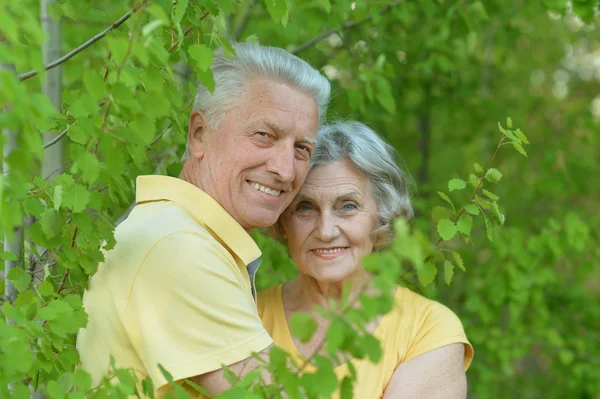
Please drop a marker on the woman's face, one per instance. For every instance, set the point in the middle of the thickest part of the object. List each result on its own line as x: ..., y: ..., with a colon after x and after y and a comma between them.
x: 328, y: 225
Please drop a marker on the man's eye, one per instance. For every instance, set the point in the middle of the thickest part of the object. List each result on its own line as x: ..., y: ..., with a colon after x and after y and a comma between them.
x: 304, y: 150
x: 263, y: 134
x: 303, y: 207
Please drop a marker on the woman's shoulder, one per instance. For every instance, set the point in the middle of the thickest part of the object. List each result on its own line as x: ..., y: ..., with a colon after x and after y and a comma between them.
x: 411, y: 303
x: 425, y: 324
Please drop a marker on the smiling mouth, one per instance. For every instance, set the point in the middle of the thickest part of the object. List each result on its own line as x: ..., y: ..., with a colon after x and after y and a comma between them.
x: 329, y: 250
x: 265, y: 189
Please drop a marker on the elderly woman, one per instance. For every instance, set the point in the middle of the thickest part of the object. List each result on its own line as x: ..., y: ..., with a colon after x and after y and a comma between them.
x: 343, y: 212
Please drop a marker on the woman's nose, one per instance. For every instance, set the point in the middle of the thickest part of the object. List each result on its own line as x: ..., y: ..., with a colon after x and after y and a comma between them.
x: 327, y: 229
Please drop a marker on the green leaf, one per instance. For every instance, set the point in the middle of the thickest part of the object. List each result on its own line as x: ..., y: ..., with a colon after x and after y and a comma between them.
x: 82, y: 380
x: 118, y: 48
x: 509, y: 123
x: 84, y: 106
x: 94, y: 84
x: 346, y: 388
x: 521, y: 136
x: 58, y: 192
x: 465, y: 224
x: 472, y: 209
x: 478, y: 168
x: 19, y: 354
x: 179, y: 10
x: 155, y: 105
x: 76, y: 197
x: 19, y: 278
x: 490, y: 195
x: 493, y: 175
x: 456, y: 184
x: 384, y: 94
x: 303, y: 326
x: 206, y: 78
x: 448, y: 271
x: 446, y: 229
x: 278, y: 9
x: 51, y: 222
x: 519, y: 148
x: 489, y: 229
x: 372, y: 347
x: 439, y: 212
x: 202, y: 55
x: 151, y: 26
x: 46, y: 288
x: 426, y: 274
x: 459, y: 261
x: 335, y: 335
x: 6, y: 255
x: 445, y: 198
x: 496, y: 214
x: 55, y: 390
x: 86, y: 163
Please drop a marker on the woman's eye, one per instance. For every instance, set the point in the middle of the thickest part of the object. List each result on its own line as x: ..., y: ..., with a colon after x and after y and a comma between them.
x: 349, y: 207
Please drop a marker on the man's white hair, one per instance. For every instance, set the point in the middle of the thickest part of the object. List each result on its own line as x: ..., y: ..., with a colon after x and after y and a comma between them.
x: 256, y: 61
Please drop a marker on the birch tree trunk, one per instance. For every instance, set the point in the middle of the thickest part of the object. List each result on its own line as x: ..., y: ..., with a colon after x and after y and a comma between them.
x: 53, y: 155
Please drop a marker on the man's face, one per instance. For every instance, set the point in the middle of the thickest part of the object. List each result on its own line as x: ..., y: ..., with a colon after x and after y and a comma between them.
x: 254, y: 162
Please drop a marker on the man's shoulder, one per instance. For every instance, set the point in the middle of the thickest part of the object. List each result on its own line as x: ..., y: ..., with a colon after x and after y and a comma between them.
x: 153, y: 221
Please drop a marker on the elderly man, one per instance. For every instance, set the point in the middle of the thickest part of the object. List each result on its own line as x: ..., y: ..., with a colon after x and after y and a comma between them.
x: 178, y: 288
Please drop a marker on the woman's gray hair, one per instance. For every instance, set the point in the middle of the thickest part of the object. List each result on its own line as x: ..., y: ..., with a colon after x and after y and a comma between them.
x: 377, y: 161
x: 250, y: 61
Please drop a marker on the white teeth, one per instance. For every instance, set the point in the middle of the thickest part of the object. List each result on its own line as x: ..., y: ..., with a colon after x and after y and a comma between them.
x: 264, y: 189
x: 329, y: 251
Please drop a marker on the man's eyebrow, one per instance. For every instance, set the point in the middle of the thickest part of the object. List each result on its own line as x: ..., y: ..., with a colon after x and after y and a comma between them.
x: 309, y: 140
x: 278, y: 129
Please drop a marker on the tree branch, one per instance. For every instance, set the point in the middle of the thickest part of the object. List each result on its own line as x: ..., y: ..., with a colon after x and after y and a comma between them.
x: 56, y: 139
x: 85, y: 45
x: 346, y: 26
x: 187, y: 32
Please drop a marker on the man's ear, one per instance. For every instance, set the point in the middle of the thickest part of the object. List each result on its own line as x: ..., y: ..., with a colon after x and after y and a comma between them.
x: 197, y: 131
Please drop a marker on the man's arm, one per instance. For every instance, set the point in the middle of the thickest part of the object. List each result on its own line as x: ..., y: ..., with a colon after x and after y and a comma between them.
x: 215, y: 382
x: 436, y: 374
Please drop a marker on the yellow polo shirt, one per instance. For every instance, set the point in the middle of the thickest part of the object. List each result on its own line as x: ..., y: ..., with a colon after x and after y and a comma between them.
x: 414, y: 326
x: 175, y: 290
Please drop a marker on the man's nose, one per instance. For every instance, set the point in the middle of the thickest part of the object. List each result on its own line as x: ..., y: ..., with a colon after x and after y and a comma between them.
x: 327, y: 229
x: 283, y: 162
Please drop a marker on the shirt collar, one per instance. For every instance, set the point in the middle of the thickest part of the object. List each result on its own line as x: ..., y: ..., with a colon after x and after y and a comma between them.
x: 202, y: 208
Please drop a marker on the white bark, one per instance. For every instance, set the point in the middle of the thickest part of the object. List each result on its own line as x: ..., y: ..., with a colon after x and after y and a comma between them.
x: 53, y: 155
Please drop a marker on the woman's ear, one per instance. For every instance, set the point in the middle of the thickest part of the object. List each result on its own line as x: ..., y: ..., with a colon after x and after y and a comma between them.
x: 197, y: 131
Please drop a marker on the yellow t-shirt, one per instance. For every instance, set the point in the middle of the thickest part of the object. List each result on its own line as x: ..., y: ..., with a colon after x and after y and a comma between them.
x: 414, y: 326
x: 175, y: 290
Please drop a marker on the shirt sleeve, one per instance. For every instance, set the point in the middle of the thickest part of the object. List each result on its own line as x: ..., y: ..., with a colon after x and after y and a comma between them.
x: 190, y: 310
x: 439, y: 327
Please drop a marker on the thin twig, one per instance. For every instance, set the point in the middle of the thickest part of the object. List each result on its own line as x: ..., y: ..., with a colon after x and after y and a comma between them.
x: 56, y: 139
x: 187, y: 32
x: 85, y: 45
x: 346, y: 26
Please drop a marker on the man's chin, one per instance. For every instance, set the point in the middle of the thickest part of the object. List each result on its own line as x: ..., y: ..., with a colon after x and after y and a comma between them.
x: 261, y: 220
